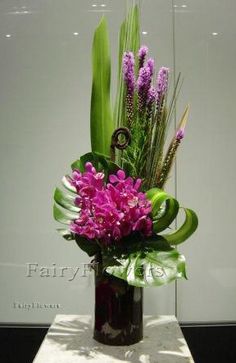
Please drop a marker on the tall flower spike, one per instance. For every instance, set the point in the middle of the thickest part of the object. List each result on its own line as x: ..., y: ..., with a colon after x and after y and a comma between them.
x: 171, y: 153
x: 129, y: 78
x: 152, y: 95
x: 162, y: 83
x: 128, y: 71
x: 144, y: 83
x: 142, y: 53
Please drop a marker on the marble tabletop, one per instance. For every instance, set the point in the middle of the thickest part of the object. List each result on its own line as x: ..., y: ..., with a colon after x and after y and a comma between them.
x: 69, y: 340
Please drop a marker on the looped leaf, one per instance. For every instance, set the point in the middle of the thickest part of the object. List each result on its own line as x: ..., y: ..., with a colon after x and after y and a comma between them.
x: 162, y: 219
x: 186, y: 230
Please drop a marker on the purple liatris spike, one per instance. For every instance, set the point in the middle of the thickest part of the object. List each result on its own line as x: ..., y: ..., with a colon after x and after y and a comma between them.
x: 162, y: 83
x: 129, y: 78
x: 128, y: 71
x: 144, y: 83
x: 151, y: 95
x: 180, y: 134
x: 150, y: 65
x: 145, y: 76
x: 142, y: 53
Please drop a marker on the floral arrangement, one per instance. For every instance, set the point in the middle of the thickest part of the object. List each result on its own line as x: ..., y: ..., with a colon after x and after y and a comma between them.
x: 115, y: 203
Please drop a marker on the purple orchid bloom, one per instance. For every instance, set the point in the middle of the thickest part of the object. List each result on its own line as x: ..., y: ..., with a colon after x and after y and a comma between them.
x: 109, y: 211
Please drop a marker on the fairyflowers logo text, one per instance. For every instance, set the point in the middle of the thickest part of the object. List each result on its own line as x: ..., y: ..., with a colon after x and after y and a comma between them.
x: 70, y: 273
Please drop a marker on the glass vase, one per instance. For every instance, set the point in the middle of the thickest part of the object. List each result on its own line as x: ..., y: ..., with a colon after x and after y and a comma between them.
x: 118, y: 309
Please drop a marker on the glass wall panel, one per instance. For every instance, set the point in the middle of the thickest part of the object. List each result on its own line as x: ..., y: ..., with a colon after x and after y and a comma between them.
x: 205, y: 54
x: 45, y: 77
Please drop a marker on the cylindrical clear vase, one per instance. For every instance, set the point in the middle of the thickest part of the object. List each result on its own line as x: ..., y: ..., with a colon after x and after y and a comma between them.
x: 118, y: 309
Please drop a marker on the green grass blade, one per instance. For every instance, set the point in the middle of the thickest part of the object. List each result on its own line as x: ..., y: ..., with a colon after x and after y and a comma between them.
x: 129, y: 40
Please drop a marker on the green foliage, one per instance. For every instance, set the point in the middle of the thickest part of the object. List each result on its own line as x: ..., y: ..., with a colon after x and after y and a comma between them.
x: 99, y: 161
x: 66, y: 234
x: 162, y: 219
x: 186, y: 230
x: 153, y: 263
x: 101, y: 124
x: 91, y: 247
x: 65, y: 200
x: 62, y: 215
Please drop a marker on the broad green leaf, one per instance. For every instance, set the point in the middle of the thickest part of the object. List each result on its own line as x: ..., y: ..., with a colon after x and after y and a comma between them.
x: 63, y: 216
x: 65, y: 200
x: 99, y: 161
x: 186, y: 230
x: 149, y: 268
x: 101, y: 124
x: 66, y: 183
x: 91, y: 247
x: 65, y: 233
x: 76, y: 165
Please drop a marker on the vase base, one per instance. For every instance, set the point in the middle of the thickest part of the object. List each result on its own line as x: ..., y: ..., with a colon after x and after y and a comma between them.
x: 119, y: 340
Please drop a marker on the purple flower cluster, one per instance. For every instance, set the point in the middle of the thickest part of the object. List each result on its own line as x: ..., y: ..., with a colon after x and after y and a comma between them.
x: 128, y: 71
x: 152, y: 95
x: 142, y: 53
x: 144, y: 82
x: 162, y: 83
x: 180, y: 134
x: 145, y: 76
x: 109, y: 211
x: 147, y: 95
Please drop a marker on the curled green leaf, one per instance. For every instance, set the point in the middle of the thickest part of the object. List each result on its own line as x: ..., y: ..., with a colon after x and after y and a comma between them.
x: 186, y: 230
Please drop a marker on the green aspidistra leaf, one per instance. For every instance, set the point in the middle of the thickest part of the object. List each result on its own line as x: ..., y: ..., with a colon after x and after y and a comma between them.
x: 164, y: 209
x: 186, y: 230
x: 101, y: 124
